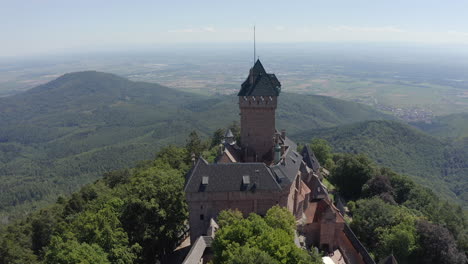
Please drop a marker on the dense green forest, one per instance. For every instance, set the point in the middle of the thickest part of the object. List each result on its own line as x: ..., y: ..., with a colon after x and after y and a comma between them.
x: 439, y: 164
x: 58, y: 136
x: 133, y: 215
x: 391, y: 214
x: 138, y: 215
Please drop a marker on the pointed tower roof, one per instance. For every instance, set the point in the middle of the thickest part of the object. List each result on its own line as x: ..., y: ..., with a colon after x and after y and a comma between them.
x: 228, y: 134
x: 389, y: 260
x: 260, y: 83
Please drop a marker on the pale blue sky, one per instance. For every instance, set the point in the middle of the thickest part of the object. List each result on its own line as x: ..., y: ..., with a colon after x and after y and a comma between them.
x: 48, y: 26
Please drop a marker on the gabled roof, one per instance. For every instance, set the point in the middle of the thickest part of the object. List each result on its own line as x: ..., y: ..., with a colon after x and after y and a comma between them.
x: 288, y: 168
x: 232, y: 152
x: 231, y: 176
x: 319, y: 191
x: 310, y: 159
x: 198, y: 249
x: 288, y: 142
x: 260, y: 83
x: 226, y: 177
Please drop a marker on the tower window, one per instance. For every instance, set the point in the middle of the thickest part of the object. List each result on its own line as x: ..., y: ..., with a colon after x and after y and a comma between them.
x: 202, y: 217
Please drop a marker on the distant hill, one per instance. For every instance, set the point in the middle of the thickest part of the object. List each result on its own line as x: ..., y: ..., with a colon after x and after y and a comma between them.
x: 63, y: 134
x: 452, y: 126
x: 441, y: 165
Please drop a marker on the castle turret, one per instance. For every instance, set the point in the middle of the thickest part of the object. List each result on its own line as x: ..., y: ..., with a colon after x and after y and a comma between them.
x: 229, y: 137
x: 257, y: 103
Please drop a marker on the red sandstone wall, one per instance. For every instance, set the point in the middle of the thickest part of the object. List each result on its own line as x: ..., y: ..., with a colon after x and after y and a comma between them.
x: 312, y: 233
x: 347, y: 249
x: 258, y: 124
x: 210, y: 204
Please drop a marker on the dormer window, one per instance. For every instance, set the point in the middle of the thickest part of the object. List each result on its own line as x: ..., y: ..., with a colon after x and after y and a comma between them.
x: 205, y: 180
x: 245, y: 180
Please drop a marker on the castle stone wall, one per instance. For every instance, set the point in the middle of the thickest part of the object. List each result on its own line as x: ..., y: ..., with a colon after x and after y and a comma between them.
x: 204, y: 206
x: 258, y: 126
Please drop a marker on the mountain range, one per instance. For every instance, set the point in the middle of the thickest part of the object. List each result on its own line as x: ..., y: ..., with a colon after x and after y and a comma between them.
x: 61, y: 135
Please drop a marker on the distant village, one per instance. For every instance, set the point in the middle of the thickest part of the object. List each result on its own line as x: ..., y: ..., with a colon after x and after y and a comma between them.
x: 411, y: 114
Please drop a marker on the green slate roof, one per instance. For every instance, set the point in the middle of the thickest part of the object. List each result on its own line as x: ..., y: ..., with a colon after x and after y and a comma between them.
x: 260, y: 83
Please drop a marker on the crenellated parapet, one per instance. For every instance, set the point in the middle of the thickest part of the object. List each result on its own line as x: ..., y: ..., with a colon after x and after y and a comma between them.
x: 258, y: 102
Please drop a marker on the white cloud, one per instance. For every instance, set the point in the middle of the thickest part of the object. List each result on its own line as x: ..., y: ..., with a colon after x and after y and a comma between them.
x: 240, y: 30
x: 385, y: 29
x: 209, y: 29
x: 193, y: 30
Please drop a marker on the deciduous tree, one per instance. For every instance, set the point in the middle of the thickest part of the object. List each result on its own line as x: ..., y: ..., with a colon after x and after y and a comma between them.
x: 351, y: 173
x: 263, y: 239
x: 70, y: 251
x: 322, y: 151
x: 218, y: 137
x: 438, y: 245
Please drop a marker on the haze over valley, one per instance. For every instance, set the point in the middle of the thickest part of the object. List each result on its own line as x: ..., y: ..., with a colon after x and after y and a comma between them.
x: 414, y: 83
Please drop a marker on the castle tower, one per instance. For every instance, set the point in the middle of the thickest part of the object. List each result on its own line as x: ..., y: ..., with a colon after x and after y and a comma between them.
x: 258, y: 99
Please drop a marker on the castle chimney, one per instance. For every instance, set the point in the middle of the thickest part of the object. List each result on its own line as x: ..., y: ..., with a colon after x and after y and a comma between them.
x: 221, y: 149
x: 193, y: 159
x: 277, y: 153
x: 277, y: 150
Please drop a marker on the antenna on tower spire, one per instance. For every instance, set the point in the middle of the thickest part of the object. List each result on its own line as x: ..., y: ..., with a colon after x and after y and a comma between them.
x: 254, y: 46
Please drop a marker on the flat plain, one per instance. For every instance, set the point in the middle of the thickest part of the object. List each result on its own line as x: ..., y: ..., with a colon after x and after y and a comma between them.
x: 410, y: 85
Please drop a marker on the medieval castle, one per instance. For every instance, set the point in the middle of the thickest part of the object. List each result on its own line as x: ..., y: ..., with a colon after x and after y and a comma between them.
x: 261, y: 171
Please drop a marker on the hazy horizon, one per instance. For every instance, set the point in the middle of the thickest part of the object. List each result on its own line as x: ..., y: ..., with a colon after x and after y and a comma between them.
x: 61, y: 27
x: 262, y: 48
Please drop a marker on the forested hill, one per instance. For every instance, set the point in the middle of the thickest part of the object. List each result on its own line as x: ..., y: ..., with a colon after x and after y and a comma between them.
x: 452, y: 126
x: 63, y: 134
x: 440, y: 165
x: 87, y: 96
